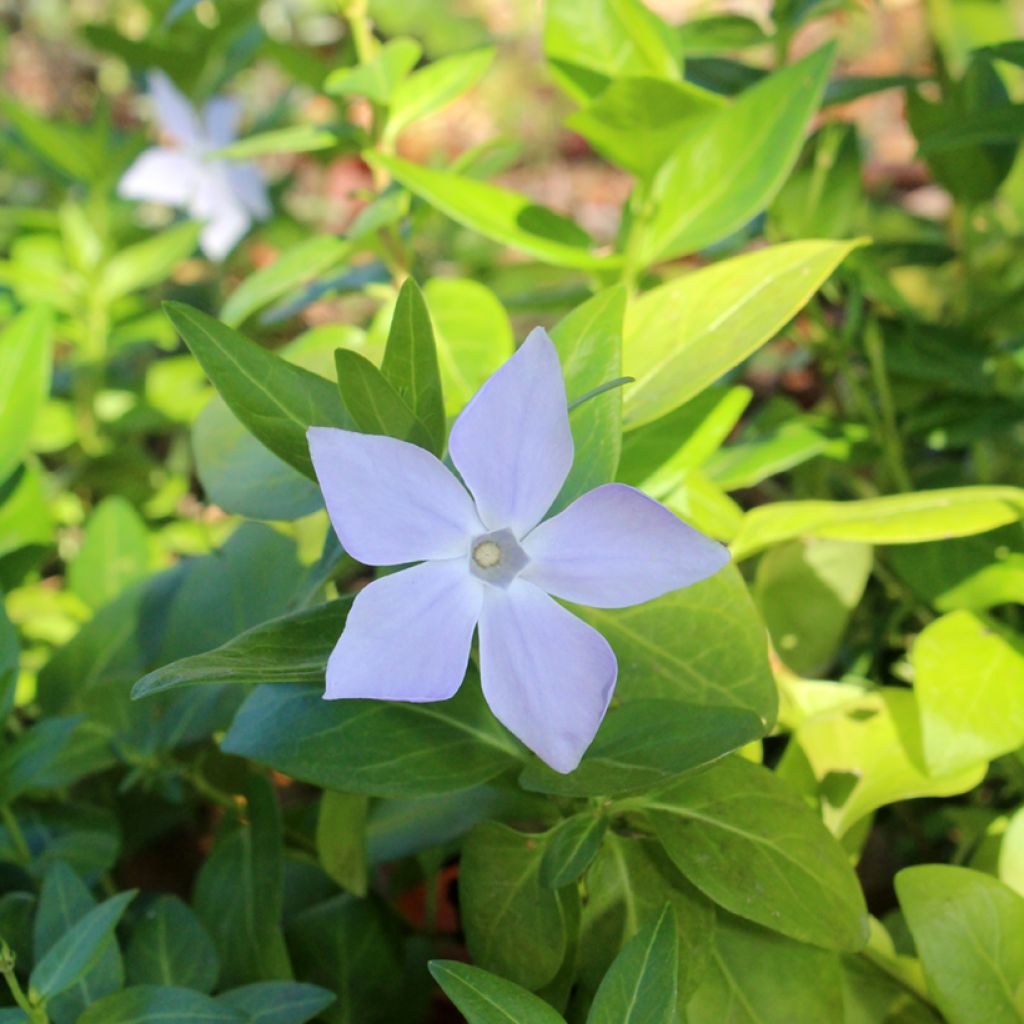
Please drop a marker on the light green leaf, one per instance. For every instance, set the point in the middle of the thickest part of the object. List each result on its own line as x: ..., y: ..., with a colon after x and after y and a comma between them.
x: 434, y: 86
x: 296, y: 138
x: 515, y: 926
x: 275, y: 400
x: 159, y: 1004
x: 25, y: 518
x: 728, y: 168
x: 147, y: 263
x: 391, y: 749
x: 684, y: 335
x: 25, y: 359
x: 754, y: 846
x: 499, y: 214
x: 278, y: 1002
x: 341, y: 839
x: 570, y: 847
x: 169, y: 946
x: 79, y: 948
x: 702, y: 645
x: 379, y: 77
x: 644, y: 743
x: 295, y: 266
x: 484, y: 998
x: 642, y: 983
x: 969, y: 932
x: 893, y: 519
x: 969, y: 681
x: 114, y: 553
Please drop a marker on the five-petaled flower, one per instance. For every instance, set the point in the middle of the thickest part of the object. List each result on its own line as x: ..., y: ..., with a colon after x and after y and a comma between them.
x: 488, y: 562
x: 227, y: 195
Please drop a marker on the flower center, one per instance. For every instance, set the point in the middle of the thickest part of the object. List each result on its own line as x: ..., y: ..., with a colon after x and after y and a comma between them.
x: 487, y: 554
x: 497, y: 558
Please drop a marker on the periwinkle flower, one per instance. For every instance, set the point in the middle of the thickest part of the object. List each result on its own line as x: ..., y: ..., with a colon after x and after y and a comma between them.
x: 488, y: 562
x: 227, y: 195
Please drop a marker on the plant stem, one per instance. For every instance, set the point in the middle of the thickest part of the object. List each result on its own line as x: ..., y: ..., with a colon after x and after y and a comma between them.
x: 36, y: 1014
x: 17, y: 836
x: 892, y: 443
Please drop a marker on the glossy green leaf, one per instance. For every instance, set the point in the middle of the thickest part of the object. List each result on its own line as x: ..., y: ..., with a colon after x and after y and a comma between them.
x: 158, y: 1004
x: 642, y: 983
x: 702, y: 645
x: 589, y: 343
x: 238, y: 893
x: 893, y: 519
x: 26, y: 758
x: 275, y: 400
x: 435, y: 86
x: 753, y: 846
x: 341, y: 839
x: 684, y: 335
x: 278, y: 1002
x: 515, y: 926
x: 644, y: 743
x: 79, y: 948
x: 25, y: 358
x: 969, y: 682
x: 499, y: 214
x: 570, y: 847
x: 969, y: 932
x: 149, y: 262
x: 169, y: 946
x: 485, y: 998
x: 379, y: 77
x: 391, y: 749
x: 730, y: 167
x: 410, y: 363
x: 114, y: 553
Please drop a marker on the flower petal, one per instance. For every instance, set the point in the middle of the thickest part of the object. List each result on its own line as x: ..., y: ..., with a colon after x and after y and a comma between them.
x: 512, y: 443
x: 390, y: 501
x: 226, y: 218
x: 161, y: 175
x: 408, y: 635
x: 615, y: 547
x: 220, y: 120
x: 174, y: 113
x: 248, y: 185
x: 546, y: 674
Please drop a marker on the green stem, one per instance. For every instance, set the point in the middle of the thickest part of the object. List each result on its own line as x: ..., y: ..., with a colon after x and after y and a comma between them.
x: 17, y: 836
x: 892, y: 443
x: 36, y: 1014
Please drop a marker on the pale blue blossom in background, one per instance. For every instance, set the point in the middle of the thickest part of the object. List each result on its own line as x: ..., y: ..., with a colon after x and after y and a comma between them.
x: 488, y: 562
x: 226, y: 195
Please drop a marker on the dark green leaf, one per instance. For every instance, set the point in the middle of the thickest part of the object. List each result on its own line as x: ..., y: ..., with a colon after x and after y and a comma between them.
x: 341, y: 839
x: 570, y: 847
x: 278, y: 1002
x: 169, y: 946
x: 32, y: 753
x: 159, y: 1004
x: 484, y: 998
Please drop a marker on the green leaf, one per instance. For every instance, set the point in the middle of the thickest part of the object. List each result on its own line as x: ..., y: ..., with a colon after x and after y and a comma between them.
x: 295, y: 266
x: 499, y: 214
x: 275, y: 400
x: 641, y: 985
x: 25, y: 518
x: 754, y: 846
x: 147, y: 263
x: 72, y: 149
x: 728, y: 168
x: 410, y: 363
x: 25, y: 359
x: 628, y: 886
x: 484, y: 998
x: 160, y: 1004
x: 646, y: 742
x: 434, y: 86
x: 10, y: 656
x: 296, y: 138
x: 391, y: 749
x: 169, y: 946
x: 807, y: 591
x: 589, y: 344
x: 31, y: 754
x: 373, y: 403
x: 341, y: 839
x: 472, y: 334
x: 238, y: 893
x: 969, y: 681
x: 379, y: 77
x: 969, y: 932
x: 702, y: 645
x: 637, y: 122
x: 758, y: 977
x: 893, y: 519
x: 589, y: 46
x: 278, y: 1002
x: 79, y: 948
x: 570, y: 847
x: 684, y: 335
x: 114, y: 553
x: 515, y: 925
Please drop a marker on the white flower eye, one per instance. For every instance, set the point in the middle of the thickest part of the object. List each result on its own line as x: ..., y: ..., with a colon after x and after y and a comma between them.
x: 497, y: 558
